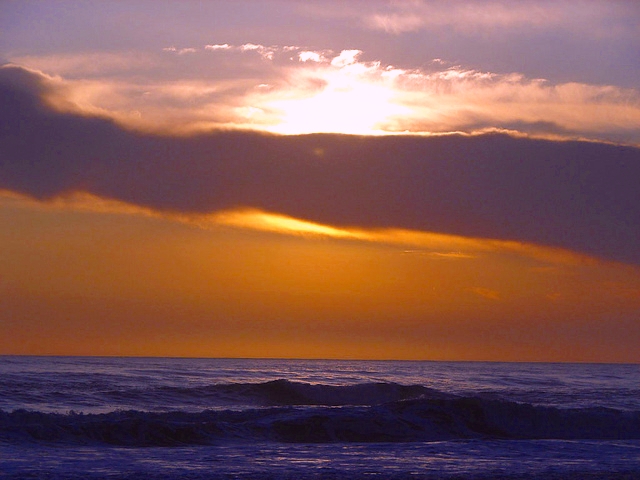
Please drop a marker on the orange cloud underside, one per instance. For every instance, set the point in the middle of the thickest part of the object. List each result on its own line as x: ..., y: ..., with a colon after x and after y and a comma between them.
x: 83, y: 275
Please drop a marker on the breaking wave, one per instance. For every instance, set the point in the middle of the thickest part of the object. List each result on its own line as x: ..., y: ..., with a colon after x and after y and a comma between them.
x: 286, y: 393
x: 306, y: 413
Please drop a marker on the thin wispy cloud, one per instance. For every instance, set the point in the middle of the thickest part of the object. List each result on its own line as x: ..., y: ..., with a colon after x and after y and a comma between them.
x: 180, y: 51
x: 479, y: 16
x: 487, y: 293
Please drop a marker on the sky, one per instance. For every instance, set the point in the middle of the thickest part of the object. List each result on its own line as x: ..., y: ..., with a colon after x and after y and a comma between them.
x: 427, y: 180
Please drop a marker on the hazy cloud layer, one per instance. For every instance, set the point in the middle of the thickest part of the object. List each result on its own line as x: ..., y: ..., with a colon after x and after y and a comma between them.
x: 578, y: 195
x: 490, y: 16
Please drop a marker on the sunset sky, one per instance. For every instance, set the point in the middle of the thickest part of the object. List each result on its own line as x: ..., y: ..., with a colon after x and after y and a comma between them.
x: 371, y: 179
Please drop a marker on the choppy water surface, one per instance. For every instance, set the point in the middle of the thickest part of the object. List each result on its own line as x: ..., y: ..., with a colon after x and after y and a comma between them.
x: 79, y: 417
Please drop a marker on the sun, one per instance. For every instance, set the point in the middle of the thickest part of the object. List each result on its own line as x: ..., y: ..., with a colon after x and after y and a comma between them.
x: 356, y: 110
x: 349, y: 103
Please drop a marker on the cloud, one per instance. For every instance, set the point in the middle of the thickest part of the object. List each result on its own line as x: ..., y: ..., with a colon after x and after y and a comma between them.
x: 179, y: 51
x: 266, y: 53
x: 408, y: 16
x: 295, y: 90
x: 487, y: 293
x: 449, y: 100
x: 309, y: 56
x: 581, y: 196
x: 481, y: 16
x: 218, y: 46
x: 432, y: 246
x: 346, y: 57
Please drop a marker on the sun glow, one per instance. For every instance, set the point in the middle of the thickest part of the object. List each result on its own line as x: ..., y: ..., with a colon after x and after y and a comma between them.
x: 354, y: 99
x: 271, y: 222
x: 298, y: 91
x: 412, y: 242
x: 360, y: 109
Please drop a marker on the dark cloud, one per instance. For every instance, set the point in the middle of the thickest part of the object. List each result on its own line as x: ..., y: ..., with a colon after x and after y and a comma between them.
x: 579, y: 195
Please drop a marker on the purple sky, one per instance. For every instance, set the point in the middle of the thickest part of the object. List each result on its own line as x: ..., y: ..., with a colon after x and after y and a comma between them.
x: 578, y: 41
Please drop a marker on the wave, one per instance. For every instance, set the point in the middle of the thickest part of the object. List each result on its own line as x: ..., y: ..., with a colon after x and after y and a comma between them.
x: 287, y: 393
x: 101, y: 397
x: 414, y: 420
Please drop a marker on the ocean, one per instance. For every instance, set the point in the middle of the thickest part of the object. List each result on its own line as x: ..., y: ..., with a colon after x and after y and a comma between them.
x: 176, y: 418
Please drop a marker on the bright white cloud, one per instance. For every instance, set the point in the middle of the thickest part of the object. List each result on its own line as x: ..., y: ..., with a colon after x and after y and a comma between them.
x: 265, y: 52
x: 223, y: 46
x: 346, y: 57
x: 307, y: 56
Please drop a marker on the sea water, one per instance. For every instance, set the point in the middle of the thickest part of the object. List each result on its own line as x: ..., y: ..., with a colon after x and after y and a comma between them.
x: 168, y: 418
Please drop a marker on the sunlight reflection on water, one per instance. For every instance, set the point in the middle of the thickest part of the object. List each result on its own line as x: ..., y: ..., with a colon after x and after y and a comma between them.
x: 481, y: 459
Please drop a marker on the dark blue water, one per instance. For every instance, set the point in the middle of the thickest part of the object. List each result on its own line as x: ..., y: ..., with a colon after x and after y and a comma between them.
x: 80, y: 417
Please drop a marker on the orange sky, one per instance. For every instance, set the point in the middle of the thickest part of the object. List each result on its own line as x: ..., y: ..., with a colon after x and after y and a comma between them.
x: 327, y: 179
x: 119, y: 282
